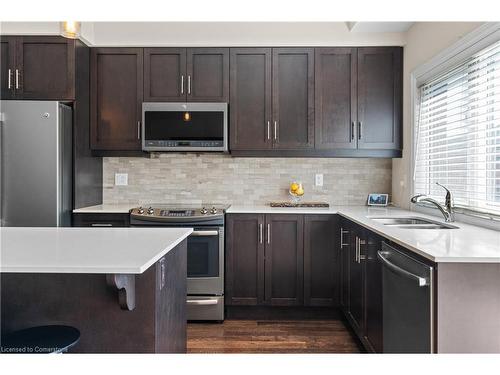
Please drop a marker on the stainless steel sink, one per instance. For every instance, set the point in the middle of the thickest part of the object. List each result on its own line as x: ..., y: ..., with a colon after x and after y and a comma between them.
x: 412, y: 223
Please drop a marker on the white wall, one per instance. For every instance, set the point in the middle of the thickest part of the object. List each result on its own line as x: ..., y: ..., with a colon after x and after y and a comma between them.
x: 45, y: 28
x: 213, y: 33
x: 423, y: 41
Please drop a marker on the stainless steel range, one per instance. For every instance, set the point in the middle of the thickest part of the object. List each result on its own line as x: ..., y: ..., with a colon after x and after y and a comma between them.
x: 205, y: 252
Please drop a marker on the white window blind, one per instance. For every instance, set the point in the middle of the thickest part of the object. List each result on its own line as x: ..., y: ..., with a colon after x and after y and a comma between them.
x: 458, y: 134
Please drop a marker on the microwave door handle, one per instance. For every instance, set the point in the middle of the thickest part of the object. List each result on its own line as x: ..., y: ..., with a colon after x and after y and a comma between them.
x: 199, y: 233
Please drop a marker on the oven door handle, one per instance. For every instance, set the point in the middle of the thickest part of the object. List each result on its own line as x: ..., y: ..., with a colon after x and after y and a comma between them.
x: 202, y: 302
x: 205, y: 233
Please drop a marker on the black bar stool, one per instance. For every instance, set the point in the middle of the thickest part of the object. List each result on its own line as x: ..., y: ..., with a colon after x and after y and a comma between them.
x: 40, y: 340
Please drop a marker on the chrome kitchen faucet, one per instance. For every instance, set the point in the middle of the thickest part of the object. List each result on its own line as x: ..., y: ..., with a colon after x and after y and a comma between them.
x: 446, y: 209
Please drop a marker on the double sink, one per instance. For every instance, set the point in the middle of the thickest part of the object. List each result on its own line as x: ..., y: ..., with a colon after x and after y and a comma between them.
x: 411, y: 222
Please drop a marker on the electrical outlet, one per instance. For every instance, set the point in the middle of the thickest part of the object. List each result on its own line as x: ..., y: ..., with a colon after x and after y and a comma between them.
x: 121, y: 179
x: 318, y: 179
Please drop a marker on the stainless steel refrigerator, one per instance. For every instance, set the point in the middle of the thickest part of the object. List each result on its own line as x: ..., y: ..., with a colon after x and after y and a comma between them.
x: 36, y: 163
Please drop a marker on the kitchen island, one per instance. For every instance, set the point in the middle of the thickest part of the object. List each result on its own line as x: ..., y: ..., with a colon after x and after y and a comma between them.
x: 124, y: 289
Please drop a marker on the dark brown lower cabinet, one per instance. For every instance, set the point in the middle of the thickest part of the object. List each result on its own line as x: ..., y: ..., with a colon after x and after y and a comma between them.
x: 356, y: 280
x: 373, y: 292
x: 321, y: 261
x: 281, y: 260
x: 284, y: 255
x: 244, y: 259
x: 101, y: 220
x: 361, y: 283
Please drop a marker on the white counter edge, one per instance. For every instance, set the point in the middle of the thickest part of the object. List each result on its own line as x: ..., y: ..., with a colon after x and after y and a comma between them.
x: 98, y: 270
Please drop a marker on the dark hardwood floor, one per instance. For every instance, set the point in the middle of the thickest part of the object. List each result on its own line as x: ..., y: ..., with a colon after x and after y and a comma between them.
x: 271, y: 336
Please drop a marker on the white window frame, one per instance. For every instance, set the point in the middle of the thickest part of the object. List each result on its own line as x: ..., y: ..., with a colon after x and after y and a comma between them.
x: 470, y: 44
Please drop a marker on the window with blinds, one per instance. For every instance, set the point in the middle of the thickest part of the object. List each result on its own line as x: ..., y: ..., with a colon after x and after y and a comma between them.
x: 458, y: 134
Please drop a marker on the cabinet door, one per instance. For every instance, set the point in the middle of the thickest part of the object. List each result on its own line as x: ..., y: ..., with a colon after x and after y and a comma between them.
x: 46, y: 67
x: 379, y: 97
x: 344, y: 254
x: 116, y: 98
x: 284, y: 256
x: 250, y: 88
x: 356, y: 282
x: 321, y: 263
x: 165, y: 76
x: 293, y: 98
x: 244, y: 259
x: 373, y: 292
x: 7, y: 67
x: 208, y: 74
x: 335, y: 98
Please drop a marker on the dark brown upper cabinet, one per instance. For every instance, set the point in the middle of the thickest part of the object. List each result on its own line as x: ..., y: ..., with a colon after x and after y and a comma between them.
x: 380, y: 72
x: 358, y: 98
x: 186, y: 74
x: 272, y: 94
x: 116, y: 86
x: 293, y: 98
x: 7, y: 66
x: 335, y: 98
x: 165, y: 74
x: 284, y: 256
x: 38, y: 67
x: 250, y: 101
x: 321, y: 263
x: 244, y: 277
x: 207, y: 74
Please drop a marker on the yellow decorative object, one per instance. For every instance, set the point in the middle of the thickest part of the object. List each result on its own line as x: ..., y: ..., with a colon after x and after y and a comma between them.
x: 296, y: 190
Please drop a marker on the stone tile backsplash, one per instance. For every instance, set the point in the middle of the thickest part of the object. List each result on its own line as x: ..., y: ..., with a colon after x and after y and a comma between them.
x: 205, y: 178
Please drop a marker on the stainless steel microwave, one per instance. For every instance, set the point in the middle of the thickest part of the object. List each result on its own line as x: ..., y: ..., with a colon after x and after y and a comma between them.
x: 184, y: 127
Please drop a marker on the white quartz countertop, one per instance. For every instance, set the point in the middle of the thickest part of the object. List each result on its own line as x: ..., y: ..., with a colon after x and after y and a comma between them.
x: 467, y: 244
x: 85, y: 250
x: 106, y: 209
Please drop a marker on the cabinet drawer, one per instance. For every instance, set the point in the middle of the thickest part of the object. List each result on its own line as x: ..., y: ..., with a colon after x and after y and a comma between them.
x: 101, y: 220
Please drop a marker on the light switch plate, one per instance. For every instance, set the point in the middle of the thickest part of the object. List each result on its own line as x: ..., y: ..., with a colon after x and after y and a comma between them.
x: 121, y: 179
x: 318, y: 179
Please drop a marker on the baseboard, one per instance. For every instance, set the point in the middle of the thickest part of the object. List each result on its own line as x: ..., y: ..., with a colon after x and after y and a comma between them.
x: 282, y: 313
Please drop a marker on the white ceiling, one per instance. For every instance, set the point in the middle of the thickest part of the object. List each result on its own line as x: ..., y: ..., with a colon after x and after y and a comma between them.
x: 379, y: 27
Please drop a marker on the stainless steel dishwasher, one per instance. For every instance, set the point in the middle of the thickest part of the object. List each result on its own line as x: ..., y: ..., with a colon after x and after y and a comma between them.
x: 407, y: 294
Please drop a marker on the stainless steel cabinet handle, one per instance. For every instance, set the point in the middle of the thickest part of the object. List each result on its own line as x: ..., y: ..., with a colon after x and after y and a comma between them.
x: 261, y: 234
x: 189, y: 85
x: 202, y: 302
x: 275, y: 130
x: 352, y: 131
x: 356, y: 250
x: 268, y: 233
x: 199, y: 233
x: 10, y: 79
x: 342, y: 231
x: 361, y: 257
x: 17, y: 79
x: 422, y: 281
x: 182, y: 84
x: 360, y: 124
x: 268, y: 130
x: 138, y: 130
x: 101, y: 225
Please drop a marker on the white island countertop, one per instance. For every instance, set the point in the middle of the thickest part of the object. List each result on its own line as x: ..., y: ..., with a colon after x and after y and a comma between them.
x: 85, y: 250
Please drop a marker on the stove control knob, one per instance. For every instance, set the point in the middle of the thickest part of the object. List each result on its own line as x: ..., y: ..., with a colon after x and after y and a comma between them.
x: 140, y: 210
x: 203, y: 211
x: 213, y: 210
x: 151, y: 211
